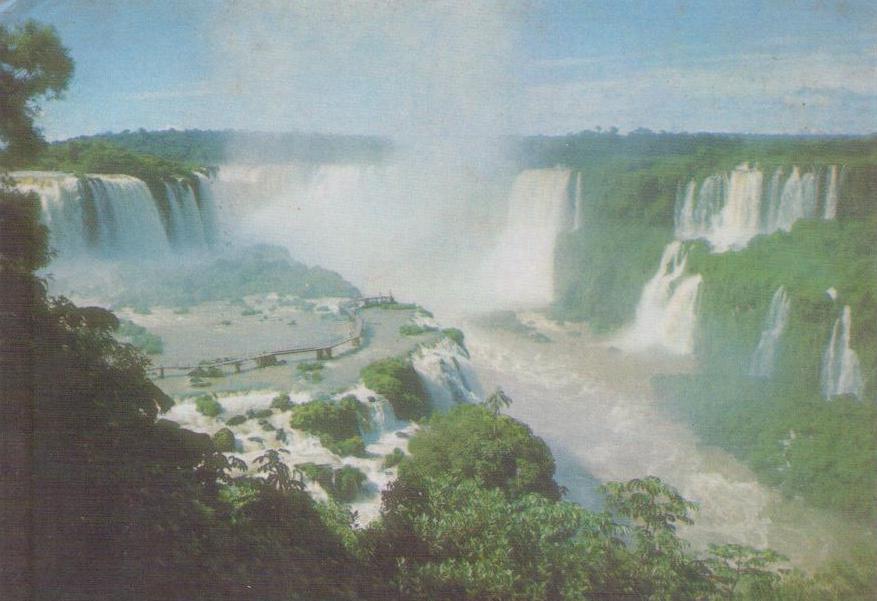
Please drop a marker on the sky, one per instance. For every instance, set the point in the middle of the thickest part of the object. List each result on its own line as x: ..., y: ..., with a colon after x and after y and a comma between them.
x: 458, y: 68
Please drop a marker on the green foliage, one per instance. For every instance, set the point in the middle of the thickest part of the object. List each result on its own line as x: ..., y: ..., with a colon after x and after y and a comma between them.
x: 208, y: 405
x: 236, y: 420
x: 823, y: 451
x: 455, y: 335
x: 249, y: 311
x: 309, y: 366
x: 224, y: 441
x: 396, y: 380
x: 393, y: 459
x: 410, y: 329
x: 257, y: 269
x: 470, y: 442
x: 208, y: 147
x: 348, y: 483
x: 33, y: 65
x: 259, y: 413
x: 601, y: 269
x: 336, y: 424
x: 734, y: 566
x: 149, y: 343
x: 814, y: 256
x: 206, y: 372
x: 281, y: 402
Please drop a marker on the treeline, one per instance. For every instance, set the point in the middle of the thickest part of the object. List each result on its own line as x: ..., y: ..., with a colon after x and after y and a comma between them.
x: 125, y: 503
x: 214, y: 147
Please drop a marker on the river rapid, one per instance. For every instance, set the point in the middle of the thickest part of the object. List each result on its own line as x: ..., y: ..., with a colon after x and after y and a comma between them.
x: 594, y: 406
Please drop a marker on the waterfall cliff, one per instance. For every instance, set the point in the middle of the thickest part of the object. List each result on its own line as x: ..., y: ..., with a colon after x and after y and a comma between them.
x: 765, y: 355
x: 841, y: 371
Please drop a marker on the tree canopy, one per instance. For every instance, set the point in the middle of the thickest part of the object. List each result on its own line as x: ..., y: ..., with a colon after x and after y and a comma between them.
x: 33, y: 65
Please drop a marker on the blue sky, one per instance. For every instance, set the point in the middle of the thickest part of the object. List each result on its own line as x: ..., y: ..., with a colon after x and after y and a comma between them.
x: 455, y: 68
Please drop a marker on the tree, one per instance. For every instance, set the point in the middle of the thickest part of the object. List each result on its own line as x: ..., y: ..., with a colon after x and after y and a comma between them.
x: 497, y: 401
x: 33, y: 65
x: 730, y: 565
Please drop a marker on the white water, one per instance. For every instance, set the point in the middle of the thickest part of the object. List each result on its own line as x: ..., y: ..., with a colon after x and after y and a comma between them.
x: 765, y: 355
x: 487, y: 241
x: 446, y: 373
x: 841, y: 371
x: 666, y: 316
x: 187, y: 228
x: 728, y: 210
x: 578, y: 215
x: 116, y: 216
x: 520, y: 269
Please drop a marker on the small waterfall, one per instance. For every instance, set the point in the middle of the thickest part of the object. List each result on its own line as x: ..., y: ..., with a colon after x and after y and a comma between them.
x: 729, y: 210
x: 764, y: 357
x: 666, y: 315
x: 185, y: 225
x: 62, y: 210
x: 831, y: 193
x: 382, y: 422
x: 208, y: 210
x: 578, y: 207
x: 447, y: 374
x: 520, y: 270
x: 841, y: 372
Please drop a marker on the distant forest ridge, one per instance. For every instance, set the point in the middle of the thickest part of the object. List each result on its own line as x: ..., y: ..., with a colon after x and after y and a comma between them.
x: 583, y: 149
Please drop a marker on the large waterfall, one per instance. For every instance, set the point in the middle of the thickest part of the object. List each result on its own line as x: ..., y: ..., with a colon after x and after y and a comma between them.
x: 521, y: 265
x: 117, y: 215
x: 841, y: 372
x: 728, y: 210
x: 666, y: 315
x: 764, y: 357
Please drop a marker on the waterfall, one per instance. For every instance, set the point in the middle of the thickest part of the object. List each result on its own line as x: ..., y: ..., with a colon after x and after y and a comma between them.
x: 831, y: 193
x: 728, y: 210
x: 578, y: 207
x: 520, y: 269
x: 666, y: 316
x: 764, y: 357
x: 841, y: 372
x: 446, y: 373
x: 208, y: 210
x: 186, y: 229
x: 117, y: 216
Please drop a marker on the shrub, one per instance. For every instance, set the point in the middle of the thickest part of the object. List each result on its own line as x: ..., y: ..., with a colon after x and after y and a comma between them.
x: 140, y: 337
x: 397, y: 381
x: 455, y: 335
x: 410, y: 329
x: 336, y: 424
x: 469, y: 442
x: 208, y: 405
x: 348, y: 483
x: 236, y: 420
x: 308, y: 366
x: 259, y: 413
x: 224, y: 441
x: 281, y: 402
x: 393, y: 459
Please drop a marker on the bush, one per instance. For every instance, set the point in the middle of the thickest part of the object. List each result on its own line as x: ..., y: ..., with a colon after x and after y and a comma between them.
x: 206, y: 372
x: 336, y: 424
x: 455, y: 335
x: 469, y: 442
x: 259, y: 413
x: 281, y: 402
x: 208, y: 405
x: 348, y: 483
x: 396, y: 380
x: 410, y: 329
x: 393, y: 459
x: 224, y: 441
x: 309, y: 366
x: 236, y: 420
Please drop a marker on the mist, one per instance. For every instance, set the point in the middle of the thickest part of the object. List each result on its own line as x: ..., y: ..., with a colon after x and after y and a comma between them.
x: 440, y: 75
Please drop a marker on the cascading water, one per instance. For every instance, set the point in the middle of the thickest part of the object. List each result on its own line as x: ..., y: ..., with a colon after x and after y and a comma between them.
x: 520, y: 270
x: 666, y: 316
x: 117, y: 215
x: 446, y: 373
x: 729, y: 210
x: 578, y: 207
x: 186, y: 226
x: 764, y: 357
x: 832, y: 184
x: 841, y: 371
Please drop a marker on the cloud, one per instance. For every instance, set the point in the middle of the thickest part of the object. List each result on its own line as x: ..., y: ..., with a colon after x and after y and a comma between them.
x: 755, y: 92
x: 193, y: 90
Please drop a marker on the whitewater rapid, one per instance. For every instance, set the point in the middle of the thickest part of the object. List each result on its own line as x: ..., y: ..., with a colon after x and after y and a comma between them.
x: 596, y: 410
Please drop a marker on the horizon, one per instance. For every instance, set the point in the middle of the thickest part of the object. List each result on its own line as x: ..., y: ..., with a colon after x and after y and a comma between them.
x: 458, y: 71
